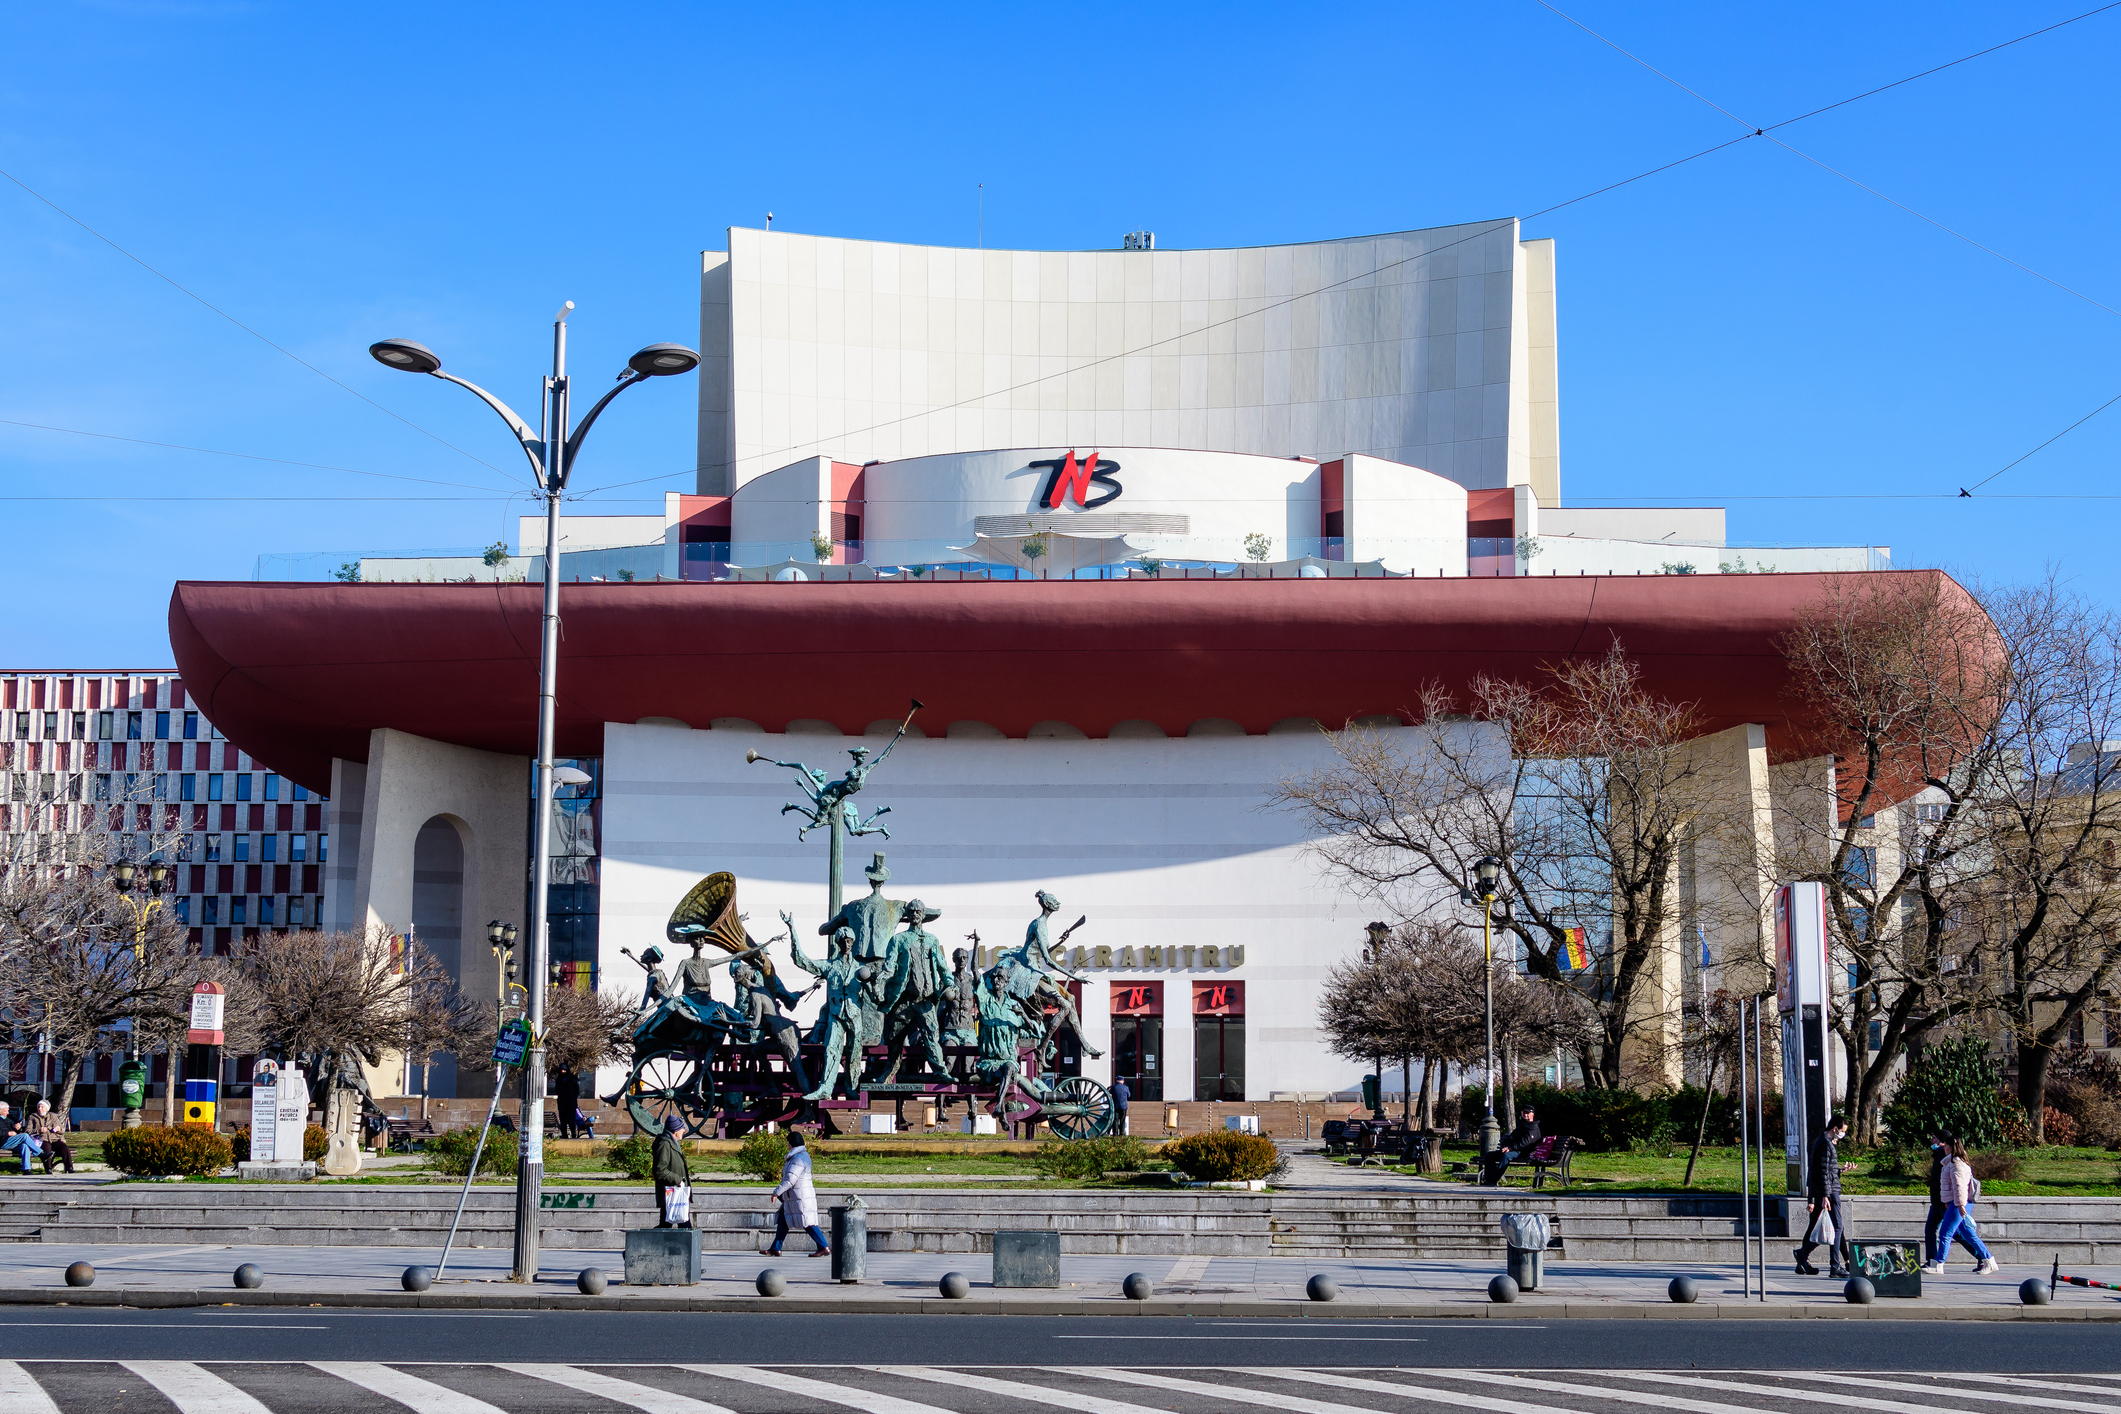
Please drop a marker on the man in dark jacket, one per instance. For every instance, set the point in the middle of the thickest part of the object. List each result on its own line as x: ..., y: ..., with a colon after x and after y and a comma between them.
x: 1522, y: 1141
x: 567, y: 1097
x: 667, y: 1168
x: 1823, y: 1186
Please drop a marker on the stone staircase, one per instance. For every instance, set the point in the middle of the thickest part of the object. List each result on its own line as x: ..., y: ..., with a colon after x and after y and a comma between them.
x: 1430, y: 1223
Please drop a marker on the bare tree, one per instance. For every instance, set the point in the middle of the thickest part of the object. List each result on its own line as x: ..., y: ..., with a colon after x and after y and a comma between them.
x: 1580, y: 782
x: 79, y: 964
x: 582, y: 1028
x: 323, y: 997
x: 1981, y: 730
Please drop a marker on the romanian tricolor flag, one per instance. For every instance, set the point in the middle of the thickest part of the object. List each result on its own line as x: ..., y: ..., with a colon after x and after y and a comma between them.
x: 1575, y: 952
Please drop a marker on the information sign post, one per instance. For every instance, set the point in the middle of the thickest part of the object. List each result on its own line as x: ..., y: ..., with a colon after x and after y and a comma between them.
x: 1800, y: 988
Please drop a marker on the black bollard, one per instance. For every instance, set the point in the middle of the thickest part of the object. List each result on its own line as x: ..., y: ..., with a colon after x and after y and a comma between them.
x: 250, y: 1276
x: 850, y: 1241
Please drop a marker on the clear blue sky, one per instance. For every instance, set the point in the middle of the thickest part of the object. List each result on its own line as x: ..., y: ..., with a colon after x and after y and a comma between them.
x: 1746, y: 325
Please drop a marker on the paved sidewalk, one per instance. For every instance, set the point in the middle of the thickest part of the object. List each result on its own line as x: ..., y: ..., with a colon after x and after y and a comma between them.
x: 34, y: 1272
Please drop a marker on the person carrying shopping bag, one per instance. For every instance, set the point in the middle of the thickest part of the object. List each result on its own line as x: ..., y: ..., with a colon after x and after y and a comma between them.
x: 794, y: 1201
x: 671, y: 1174
x: 1823, y: 1223
x: 1958, y: 1188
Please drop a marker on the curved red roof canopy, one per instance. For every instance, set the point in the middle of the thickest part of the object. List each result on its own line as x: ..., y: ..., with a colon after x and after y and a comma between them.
x: 297, y: 674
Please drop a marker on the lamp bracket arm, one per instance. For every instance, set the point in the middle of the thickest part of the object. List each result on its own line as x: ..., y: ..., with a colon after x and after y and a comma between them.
x: 533, y: 447
x: 581, y: 429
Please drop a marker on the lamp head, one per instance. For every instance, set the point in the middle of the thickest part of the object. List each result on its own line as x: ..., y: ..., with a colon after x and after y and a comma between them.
x: 1487, y: 871
x: 121, y: 876
x: 750, y: 756
x: 494, y: 932
x: 157, y: 877
x: 663, y: 361
x: 405, y: 356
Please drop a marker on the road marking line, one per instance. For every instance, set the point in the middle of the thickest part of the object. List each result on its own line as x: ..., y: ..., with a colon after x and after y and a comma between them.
x: 868, y: 1401
x: 20, y: 1393
x: 1856, y: 1401
x: 421, y: 1396
x: 1036, y: 1394
x: 193, y: 1390
x: 1272, y: 1401
x: 2022, y: 1383
x: 1188, y: 1269
x: 1660, y: 1401
x: 1407, y: 1391
x: 1955, y: 1391
x: 646, y: 1397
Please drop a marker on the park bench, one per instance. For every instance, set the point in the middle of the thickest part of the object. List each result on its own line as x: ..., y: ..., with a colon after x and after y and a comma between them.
x: 1551, y: 1155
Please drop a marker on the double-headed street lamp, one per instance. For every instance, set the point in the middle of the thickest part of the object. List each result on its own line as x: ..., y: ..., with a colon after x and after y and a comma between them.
x: 1487, y: 875
x: 551, y: 460
x: 502, y: 937
x: 121, y: 879
x: 1380, y: 934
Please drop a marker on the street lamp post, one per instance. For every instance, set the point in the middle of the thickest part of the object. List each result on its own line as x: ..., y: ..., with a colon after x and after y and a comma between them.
x: 1486, y: 873
x: 121, y: 878
x: 551, y: 460
x: 1379, y: 934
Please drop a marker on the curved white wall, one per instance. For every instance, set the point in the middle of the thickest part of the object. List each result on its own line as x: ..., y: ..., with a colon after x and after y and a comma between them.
x: 1431, y: 348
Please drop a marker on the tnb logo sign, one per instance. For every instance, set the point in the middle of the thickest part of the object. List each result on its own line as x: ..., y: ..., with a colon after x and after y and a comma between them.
x: 1072, y: 478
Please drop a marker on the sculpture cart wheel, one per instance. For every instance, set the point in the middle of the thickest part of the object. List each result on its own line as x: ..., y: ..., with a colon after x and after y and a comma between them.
x: 667, y: 1082
x: 1079, y: 1108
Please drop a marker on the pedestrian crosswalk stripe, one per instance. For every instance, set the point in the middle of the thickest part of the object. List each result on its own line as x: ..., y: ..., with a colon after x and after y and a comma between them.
x: 193, y: 1390
x: 2038, y: 1401
x: 618, y: 1391
x: 868, y: 1401
x: 420, y: 1396
x: 20, y: 1393
x: 1229, y: 1392
x: 1623, y: 1396
x: 1036, y: 1394
x: 1454, y: 1397
x: 2020, y: 1382
x: 1845, y: 1401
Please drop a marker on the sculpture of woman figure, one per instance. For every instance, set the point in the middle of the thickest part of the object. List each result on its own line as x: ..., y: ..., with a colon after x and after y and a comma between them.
x: 1028, y: 974
x: 846, y: 981
x: 658, y: 988
x: 759, y: 999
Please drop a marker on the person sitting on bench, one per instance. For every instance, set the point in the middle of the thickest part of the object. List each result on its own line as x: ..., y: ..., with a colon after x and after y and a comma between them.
x: 1523, y: 1139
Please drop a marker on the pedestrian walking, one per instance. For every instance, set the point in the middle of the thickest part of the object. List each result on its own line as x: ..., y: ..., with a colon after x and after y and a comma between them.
x: 567, y: 1093
x: 1823, y: 1183
x: 794, y: 1201
x: 1121, y: 1097
x: 1958, y: 1188
x: 1940, y: 1153
x: 50, y: 1131
x: 671, y: 1174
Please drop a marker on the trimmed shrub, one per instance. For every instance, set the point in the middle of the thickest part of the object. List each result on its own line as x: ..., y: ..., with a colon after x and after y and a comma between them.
x: 451, y: 1153
x: 1091, y: 1158
x: 630, y: 1156
x: 762, y: 1155
x: 191, y: 1149
x: 1955, y: 1087
x: 1223, y: 1156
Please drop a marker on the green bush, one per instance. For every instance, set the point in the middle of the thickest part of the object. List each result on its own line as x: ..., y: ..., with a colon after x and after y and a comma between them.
x: 1223, y: 1156
x: 630, y: 1156
x: 151, y: 1149
x: 1091, y: 1158
x: 451, y: 1153
x: 1954, y: 1087
x: 762, y: 1154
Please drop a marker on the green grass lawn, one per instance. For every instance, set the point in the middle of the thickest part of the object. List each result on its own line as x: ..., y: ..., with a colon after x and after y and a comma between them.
x: 2043, y: 1173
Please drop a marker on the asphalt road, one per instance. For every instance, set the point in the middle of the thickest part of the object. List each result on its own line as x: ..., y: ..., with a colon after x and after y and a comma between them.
x: 574, y: 1337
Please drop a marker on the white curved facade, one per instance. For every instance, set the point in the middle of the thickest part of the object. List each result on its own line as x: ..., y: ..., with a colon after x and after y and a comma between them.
x: 1432, y: 348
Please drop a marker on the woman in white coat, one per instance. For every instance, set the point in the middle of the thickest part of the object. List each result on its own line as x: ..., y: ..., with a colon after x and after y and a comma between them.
x: 794, y: 1200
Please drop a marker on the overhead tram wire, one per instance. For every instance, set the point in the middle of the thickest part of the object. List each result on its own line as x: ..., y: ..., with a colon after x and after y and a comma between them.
x: 240, y: 324
x: 1750, y: 133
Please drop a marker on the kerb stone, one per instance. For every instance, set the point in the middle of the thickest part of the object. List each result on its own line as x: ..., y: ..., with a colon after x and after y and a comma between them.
x: 276, y: 1173
x: 1027, y: 1259
x: 663, y: 1256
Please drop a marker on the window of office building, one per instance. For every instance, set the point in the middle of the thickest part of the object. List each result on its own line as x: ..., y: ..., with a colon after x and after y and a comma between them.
x: 268, y: 851
x: 272, y: 786
x: 572, y: 908
x: 242, y: 843
x: 300, y: 793
x: 188, y: 788
x: 51, y: 726
x: 103, y: 726
x: 1218, y: 1040
x: 213, y: 787
x: 295, y: 909
x: 191, y: 726
x: 323, y: 847
x: 132, y: 726
x: 22, y: 726
x: 265, y: 910
x: 243, y: 785
x: 297, y: 849
x: 213, y: 849
x: 238, y: 909
x: 80, y: 726
x: 161, y: 726
x: 1138, y: 1038
x: 210, y: 912
x: 184, y: 910
x: 103, y: 787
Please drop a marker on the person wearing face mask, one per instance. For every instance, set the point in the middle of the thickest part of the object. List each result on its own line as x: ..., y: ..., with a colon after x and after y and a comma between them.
x: 1824, y: 1185
x: 1958, y: 1188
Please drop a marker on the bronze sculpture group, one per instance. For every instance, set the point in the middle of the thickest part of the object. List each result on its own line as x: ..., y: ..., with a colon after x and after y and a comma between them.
x: 895, y: 1009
